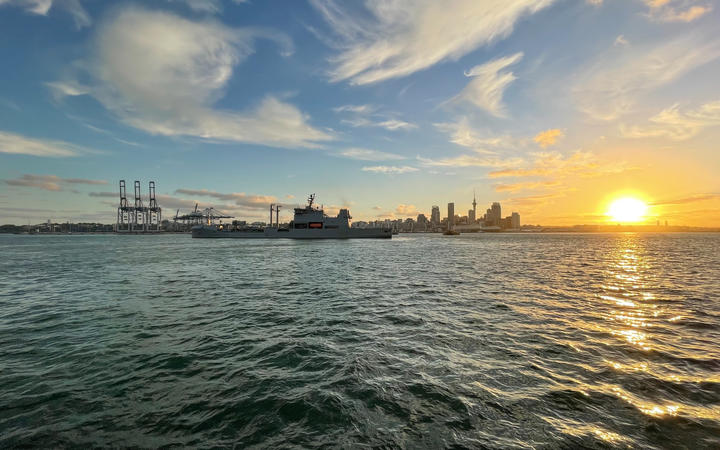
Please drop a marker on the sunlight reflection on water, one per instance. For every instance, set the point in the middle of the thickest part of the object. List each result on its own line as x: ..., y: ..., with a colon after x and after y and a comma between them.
x: 507, y: 340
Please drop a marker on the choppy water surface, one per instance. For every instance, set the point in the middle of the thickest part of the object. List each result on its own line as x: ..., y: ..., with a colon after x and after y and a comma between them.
x: 500, y: 341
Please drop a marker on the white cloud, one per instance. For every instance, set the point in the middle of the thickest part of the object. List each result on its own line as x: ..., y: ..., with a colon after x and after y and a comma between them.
x: 390, y: 169
x: 544, y: 164
x: 364, y: 154
x: 205, y: 6
x: 42, y: 8
x: 358, y: 109
x: 488, y: 84
x: 677, y: 125
x: 400, y: 37
x: 472, y: 161
x: 61, y: 89
x: 389, y: 124
x: 620, y: 41
x: 162, y: 73
x: 367, y: 116
x: 463, y: 134
x: 21, y: 145
x: 611, y: 86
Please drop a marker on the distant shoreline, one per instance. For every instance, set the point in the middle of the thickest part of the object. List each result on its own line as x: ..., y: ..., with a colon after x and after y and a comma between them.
x: 547, y: 230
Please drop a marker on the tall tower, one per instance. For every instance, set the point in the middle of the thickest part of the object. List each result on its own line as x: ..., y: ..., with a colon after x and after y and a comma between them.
x: 472, y: 214
x: 451, y: 216
x: 474, y: 205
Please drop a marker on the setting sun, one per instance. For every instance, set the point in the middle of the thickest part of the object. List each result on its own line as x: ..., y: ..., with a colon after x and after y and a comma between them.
x: 627, y: 209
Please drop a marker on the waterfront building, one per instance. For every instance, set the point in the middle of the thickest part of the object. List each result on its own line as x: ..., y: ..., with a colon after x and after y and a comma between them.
x: 451, y: 215
x: 515, y: 220
x: 422, y: 223
x: 435, y: 216
x: 496, y: 213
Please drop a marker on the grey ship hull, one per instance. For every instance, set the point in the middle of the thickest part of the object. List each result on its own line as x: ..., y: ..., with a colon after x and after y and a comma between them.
x: 275, y: 233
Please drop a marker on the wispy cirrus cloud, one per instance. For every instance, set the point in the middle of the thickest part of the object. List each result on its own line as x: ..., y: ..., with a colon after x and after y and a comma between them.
x: 555, y: 164
x: 672, y: 123
x: 162, y: 73
x: 365, y: 154
x: 612, y: 85
x: 677, y: 10
x: 394, y: 39
x: 526, y: 185
x: 370, y: 116
x: 357, y: 109
x: 389, y: 124
x: 488, y: 84
x: 50, y: 182
x: 239, y: 198
x: 22, y: 145
x: 42, y: 7
x: 687, y: 199
x: 472, y: 161
x: 462, y: 133
x: 390, y: 170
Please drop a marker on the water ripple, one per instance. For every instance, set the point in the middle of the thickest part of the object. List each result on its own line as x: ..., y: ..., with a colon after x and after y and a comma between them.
x: 481, y: 341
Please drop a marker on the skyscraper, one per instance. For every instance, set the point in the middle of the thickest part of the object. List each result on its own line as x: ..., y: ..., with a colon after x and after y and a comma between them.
x: 435, y: 216
x: 515, y: 220
x: 451, y: 216
x: 496, y: 213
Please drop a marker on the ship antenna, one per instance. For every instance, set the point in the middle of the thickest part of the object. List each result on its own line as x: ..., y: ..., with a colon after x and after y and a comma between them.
x: 311, y: 199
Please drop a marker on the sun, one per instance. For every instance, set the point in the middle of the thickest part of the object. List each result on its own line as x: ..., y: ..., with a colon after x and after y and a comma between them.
x: 627, y: 209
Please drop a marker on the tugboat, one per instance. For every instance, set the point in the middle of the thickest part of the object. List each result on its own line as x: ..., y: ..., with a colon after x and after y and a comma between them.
x: 309, y: 222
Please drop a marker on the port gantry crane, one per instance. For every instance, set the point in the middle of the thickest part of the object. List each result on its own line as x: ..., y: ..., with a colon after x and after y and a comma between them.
x: 205, y: 216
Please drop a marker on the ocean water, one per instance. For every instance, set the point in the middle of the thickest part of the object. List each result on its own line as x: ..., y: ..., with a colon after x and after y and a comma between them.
x: 424, y: 341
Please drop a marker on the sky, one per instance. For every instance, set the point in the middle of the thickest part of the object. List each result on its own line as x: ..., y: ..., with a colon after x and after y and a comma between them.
x: 552, y: 108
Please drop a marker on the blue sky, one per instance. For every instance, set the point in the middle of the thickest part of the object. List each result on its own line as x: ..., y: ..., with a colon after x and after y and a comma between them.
x: 551, y: 107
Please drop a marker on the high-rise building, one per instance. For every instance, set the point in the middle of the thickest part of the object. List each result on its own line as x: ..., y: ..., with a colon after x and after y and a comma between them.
x: 451, y: 216
x: 515, y: 220
x: 422, y: 223
x: 471, y: 216
x: 435, y: 216
x: 496, y: 212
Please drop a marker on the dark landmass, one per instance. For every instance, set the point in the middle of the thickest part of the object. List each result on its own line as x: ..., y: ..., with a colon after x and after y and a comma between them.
x: 64, y: 228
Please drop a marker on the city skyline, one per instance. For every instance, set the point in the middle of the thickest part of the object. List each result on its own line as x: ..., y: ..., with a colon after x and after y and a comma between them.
x: 553, y: 109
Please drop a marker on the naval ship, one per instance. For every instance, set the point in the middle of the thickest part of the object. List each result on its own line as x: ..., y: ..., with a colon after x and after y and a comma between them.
x: 309, y: 222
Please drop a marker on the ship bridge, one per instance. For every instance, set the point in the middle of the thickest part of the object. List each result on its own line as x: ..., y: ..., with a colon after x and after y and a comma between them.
x: 315, y: 218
